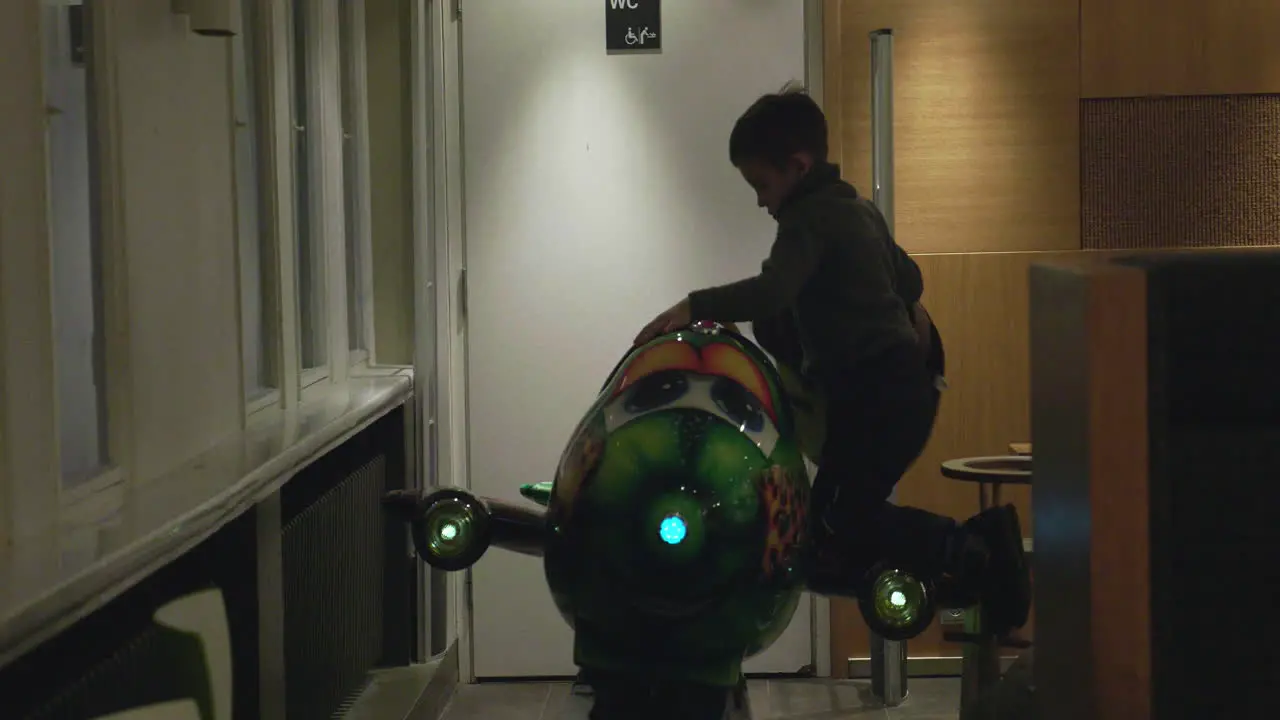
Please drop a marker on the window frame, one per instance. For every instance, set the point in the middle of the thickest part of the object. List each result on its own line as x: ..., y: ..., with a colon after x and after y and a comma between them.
x: 325, y: 210
x: 322, y: 129
x: 31, y: 492
x: 277, y: 80
x: 304, y: 180
x: 61, y: 38
x: 31, y: 478
x: 106, y: 203
x: 28, y: 421
x: 354, y: 67
x: 259, y: 45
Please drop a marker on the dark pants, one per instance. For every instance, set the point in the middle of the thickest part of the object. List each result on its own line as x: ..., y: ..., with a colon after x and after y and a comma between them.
x: 879, y: 418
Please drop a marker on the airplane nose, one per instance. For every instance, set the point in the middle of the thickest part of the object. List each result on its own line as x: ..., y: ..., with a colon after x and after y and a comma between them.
x: 675, y: 527
x: 674, y: 568
x: 673, y: 514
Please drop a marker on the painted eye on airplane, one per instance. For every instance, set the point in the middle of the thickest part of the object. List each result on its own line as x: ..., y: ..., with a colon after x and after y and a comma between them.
x: 656, y: 391
x: 738, y: 405
x: 721, y: 397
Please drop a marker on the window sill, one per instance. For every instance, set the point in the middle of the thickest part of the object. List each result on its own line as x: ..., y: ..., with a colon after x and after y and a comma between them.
x: 264, y: 401
x: 314, y: 376
x: 52, y: 579
x: 111, y: 478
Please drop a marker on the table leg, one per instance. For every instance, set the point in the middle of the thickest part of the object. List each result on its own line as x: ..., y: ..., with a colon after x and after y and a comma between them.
x: 980, y: 665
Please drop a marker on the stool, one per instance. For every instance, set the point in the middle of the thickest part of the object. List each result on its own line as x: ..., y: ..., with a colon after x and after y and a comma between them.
x: 980, y: 667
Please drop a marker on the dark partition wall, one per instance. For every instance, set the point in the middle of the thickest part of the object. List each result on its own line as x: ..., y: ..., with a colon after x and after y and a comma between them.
x: 1215, y: 483
x: 1156, y: 429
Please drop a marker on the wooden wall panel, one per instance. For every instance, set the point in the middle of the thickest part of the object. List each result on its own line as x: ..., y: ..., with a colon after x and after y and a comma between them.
x: 986, y: 118
x: 980, y: 303
x: 1132, y: 48
x: 1201, y: 171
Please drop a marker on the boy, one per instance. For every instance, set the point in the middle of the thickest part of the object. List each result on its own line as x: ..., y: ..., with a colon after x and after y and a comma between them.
x: 847, y: 295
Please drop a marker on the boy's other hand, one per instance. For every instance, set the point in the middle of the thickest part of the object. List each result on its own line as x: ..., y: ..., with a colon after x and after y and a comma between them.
x: 671, y: 319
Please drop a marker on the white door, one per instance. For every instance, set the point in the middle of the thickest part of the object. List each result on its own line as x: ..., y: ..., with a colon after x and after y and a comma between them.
x: 598, y: 191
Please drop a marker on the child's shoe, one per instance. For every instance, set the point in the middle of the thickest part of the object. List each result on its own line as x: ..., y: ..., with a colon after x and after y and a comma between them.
x: 989, y: 566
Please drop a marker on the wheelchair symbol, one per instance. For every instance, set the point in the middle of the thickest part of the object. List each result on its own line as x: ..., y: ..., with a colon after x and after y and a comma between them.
x: 638, y: 39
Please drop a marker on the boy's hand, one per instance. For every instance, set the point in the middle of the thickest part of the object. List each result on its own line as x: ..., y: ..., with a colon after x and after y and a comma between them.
x: 674, y: 318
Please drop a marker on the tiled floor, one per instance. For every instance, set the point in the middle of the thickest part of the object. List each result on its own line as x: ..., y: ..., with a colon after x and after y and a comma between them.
x: 770, y: 700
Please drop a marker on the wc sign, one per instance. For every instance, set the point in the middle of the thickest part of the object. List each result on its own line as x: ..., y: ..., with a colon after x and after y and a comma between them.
x: 632, y: 25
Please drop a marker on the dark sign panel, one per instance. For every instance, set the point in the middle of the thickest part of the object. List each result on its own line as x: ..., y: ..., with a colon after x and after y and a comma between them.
x: 633, y: 24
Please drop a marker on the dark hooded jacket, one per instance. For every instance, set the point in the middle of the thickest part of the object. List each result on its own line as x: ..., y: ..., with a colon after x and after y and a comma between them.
x: 836, y: 288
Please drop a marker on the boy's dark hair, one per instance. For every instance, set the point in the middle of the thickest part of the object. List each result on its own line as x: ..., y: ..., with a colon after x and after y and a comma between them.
x: 777, y: 126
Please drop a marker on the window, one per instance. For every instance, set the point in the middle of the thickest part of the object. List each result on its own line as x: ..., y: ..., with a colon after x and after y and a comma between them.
x: 256, y: 261
x: 75, y: 242
x: 312, y: 325
x: 355, y: 175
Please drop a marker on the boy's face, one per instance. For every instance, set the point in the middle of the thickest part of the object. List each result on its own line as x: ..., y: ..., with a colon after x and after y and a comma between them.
x: 773, y: 182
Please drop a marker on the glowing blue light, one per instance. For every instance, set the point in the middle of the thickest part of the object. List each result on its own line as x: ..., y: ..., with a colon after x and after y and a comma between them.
x: 672, y: 530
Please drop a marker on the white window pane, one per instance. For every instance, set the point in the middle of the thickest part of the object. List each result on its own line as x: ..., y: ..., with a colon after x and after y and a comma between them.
x: 310, y: 256
x: 75, y: 243
x: 353, y: 199
x: 259, y: 376
x: 355, y: 266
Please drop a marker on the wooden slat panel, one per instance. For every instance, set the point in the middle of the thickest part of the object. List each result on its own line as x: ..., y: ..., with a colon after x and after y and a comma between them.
x: 1132, y: 48
x: 986, y: 118
x: 1180, y: 172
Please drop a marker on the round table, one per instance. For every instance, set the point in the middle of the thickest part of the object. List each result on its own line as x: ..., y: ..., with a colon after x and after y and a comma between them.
x: 994, y: 470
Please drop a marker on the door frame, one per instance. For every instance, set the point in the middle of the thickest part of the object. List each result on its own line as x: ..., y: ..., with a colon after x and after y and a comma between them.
x: 815, y: 82
x: 451, y: 438
x: 439, y: 34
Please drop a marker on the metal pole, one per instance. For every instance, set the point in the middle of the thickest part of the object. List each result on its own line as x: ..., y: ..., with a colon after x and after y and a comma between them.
x: 888, y: 659
x: 882, y: 122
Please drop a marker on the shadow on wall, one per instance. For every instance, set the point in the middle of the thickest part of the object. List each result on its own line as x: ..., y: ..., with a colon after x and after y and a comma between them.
x: 193, y: 636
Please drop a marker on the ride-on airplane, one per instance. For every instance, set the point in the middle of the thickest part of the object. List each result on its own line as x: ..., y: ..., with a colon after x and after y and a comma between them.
x: 674, y: 534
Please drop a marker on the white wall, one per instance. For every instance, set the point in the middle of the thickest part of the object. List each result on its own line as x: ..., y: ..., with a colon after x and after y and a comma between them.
x: 598, y: 192
x: 179, y: 227
x: 28, y: 423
